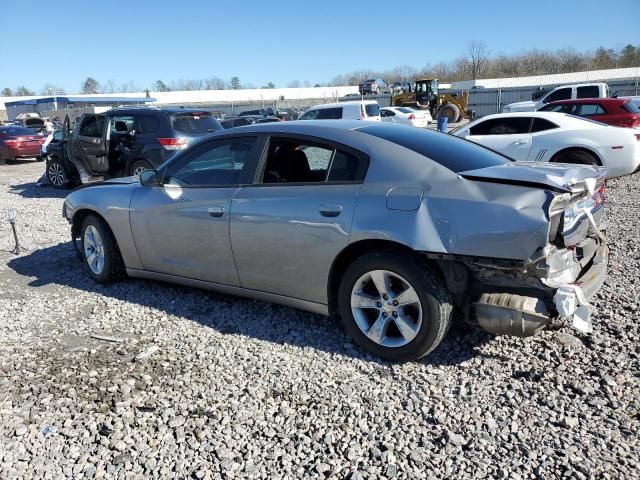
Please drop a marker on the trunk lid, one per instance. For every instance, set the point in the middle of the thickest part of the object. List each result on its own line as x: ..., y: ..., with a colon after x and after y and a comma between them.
x: 556, y: 177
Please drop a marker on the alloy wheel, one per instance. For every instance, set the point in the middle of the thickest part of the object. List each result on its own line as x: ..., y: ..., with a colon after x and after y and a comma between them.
x: 56, y: 174
x: 93, y: 249
x: 386, y: 308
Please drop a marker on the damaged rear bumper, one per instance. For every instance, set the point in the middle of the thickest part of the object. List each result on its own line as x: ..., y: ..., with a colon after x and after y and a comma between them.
x: 573, y: 276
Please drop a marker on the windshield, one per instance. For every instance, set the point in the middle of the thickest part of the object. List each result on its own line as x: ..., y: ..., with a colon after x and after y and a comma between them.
x: 194, y: 123
x: 15, y: 131
x: 405, y: 110
x: 456, y: 154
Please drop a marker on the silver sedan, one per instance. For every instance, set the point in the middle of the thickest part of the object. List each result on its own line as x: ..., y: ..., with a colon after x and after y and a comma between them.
x: 389, y: 227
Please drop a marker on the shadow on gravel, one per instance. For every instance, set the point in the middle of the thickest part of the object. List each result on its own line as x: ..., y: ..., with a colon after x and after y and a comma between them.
x: 59, y: 265
x: 30, y: 190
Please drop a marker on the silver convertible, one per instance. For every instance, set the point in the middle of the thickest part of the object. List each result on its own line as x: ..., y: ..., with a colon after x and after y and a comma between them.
x: 389, y: 227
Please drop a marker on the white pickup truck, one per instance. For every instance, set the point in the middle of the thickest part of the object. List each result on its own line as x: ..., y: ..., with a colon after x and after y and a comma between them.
x: 565, y: 92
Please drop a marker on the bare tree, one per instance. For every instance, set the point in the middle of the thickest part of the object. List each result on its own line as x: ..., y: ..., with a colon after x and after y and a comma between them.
x: 477, y: 58
x: 51, y: 89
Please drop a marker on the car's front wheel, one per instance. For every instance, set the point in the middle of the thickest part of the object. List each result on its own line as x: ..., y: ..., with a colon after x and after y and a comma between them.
x: 393, y: 306
x: 100, y: 252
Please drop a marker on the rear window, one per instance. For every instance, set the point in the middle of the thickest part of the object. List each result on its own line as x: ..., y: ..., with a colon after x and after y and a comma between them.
x: 194, y: 123
x: 372, y: 109
x: 405, y: 110
x: 631, y: 107
x: 451, y: 152
x: 14, y: 131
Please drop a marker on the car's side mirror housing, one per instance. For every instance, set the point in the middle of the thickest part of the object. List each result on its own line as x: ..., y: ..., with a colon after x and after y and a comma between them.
x: 149, y: 178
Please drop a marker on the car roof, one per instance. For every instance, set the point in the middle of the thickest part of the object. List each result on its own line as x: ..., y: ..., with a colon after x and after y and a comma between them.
x: 564, y: 119
x: 341, y: 104
x: 154, y: 109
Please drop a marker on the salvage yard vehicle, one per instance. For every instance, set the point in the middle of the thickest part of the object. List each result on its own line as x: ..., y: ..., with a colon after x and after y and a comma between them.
x: 373, y: 86
x: 323, y: 216
x: 406, y: 116
x: 124, y: 141
x: 426, y: 96
x: 352, y: 110
x: 618, y: 112
x: 565, y: 92
x: 19, y: 142
x: 557, y: 137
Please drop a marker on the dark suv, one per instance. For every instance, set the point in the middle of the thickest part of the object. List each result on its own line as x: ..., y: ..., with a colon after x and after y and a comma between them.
x: 123, y: 142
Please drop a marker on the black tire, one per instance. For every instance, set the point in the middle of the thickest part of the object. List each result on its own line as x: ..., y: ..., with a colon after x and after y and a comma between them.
x: 579, y: 157
x: 3, y: 160
x: 434, y: 300
x: 57, y: 174
x: 113, y: 267
x: 449, y: 110
x: 40, y: 158
x: 137, y: 165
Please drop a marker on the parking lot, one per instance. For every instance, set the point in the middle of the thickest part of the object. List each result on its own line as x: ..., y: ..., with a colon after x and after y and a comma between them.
x: 142, y: 379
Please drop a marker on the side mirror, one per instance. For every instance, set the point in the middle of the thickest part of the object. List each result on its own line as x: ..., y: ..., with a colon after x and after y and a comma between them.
x: 148, y: 178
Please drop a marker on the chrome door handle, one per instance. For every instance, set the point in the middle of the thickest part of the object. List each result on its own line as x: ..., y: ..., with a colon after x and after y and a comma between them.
x: 519, y: 142
x: 216, y: 211
x: 330, y: 210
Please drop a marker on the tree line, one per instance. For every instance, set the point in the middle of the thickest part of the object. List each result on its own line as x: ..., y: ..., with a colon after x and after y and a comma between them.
x: 477, y: 62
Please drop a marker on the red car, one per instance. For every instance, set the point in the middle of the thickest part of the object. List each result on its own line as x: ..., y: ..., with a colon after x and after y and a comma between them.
x: 619, y: 112
x: 19, y: 142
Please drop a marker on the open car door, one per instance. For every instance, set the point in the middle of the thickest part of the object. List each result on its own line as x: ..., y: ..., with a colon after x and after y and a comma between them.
x: 89, y: 142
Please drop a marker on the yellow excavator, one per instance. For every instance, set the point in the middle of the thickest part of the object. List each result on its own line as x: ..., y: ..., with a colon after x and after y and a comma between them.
x: 424, y: 95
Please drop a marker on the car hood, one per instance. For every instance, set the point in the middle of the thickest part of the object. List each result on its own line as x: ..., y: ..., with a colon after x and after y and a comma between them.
x: 557, y: 177
x: 527, y: 106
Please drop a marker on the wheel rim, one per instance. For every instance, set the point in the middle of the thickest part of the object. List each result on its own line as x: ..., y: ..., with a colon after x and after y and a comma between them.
x: 93, y: 250
x: 386, y: 308
x: 138, y: 170
x: 56, y: 174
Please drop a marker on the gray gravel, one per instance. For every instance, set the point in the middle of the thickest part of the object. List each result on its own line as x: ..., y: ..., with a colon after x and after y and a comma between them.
x: 142, y: 379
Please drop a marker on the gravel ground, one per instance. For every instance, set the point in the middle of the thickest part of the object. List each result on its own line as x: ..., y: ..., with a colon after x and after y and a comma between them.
x: 141, y: 379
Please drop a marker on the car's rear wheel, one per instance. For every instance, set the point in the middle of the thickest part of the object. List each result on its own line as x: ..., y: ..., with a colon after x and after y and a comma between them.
x: 56, y: 173
x: 394, y: 307
x: 138, y: 167
x: 100, y: 253
x: 579, y: 157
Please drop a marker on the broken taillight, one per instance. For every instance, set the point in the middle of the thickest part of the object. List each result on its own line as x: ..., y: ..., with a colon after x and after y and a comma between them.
x: 599, y: 196
x: 173, y: 143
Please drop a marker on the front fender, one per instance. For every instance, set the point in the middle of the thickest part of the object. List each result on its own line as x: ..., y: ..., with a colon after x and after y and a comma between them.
x: 112, y: 203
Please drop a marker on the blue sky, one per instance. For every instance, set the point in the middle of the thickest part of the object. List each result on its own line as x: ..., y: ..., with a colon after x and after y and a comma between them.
x: 280, y: 41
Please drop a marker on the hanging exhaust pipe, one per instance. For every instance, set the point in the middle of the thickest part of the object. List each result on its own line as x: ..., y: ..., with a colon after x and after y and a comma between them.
x: 509, y: 314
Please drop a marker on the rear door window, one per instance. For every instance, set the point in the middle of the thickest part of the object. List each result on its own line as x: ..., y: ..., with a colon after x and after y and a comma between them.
x: 292, y: 160
x: 590, y: 109
x: 541, y: 124
x: 92, y: 126
x: 502, y: 126
x: 372, y: 109
x: 588, y: 92
x: 122, y: 124
x: 194, y: 123
x: 560, y: 94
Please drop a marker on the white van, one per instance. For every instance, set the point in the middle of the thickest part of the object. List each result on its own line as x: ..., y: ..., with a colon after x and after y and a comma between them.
x: 356, y: 110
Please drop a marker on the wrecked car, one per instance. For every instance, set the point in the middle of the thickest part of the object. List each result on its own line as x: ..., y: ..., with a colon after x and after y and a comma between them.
x: 389, y: 227
x: 124, y: 141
